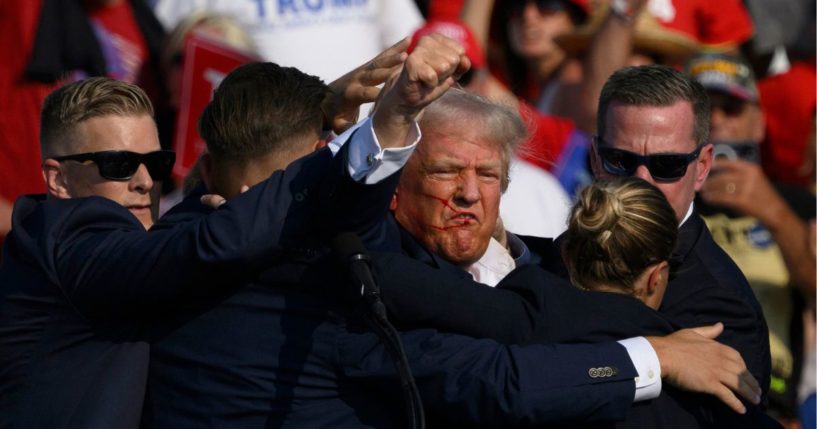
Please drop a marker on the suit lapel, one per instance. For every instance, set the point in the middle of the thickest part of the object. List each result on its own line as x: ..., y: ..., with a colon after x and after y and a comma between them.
x: 688, y: 235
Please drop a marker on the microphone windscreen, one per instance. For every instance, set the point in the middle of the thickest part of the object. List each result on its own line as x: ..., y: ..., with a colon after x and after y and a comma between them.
x: 346, y: 245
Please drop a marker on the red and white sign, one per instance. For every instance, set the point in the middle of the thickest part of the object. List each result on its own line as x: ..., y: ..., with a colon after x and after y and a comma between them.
x: 206, y: 63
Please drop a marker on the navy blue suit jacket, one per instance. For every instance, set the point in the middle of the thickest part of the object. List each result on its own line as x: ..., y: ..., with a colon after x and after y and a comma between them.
x: 286, y: 350
x: 706, y: 287
x: 532, y: 305
x: 80, y: 277
x: 275, y: 354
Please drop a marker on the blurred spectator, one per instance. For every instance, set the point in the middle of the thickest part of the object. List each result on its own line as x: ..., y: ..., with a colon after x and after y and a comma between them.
x: 221, y: 28
x: 535, y: 204
x: 324, y: 38
x: 651, y: 42
x: 789, y: 102
x: 754, y: 220
x: 781, y: 26
x: 614, y: 38
x: 782, y: 53
x: 528, y: 60
x: 19, y: 121
x: 49, y: 42
x: 719, y: 25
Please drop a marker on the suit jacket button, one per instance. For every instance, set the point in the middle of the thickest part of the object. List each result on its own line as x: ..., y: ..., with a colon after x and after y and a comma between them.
x: 608, y: 372
x: 594, y: 373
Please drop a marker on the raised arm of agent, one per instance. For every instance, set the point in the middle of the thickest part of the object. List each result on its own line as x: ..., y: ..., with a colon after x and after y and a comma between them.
x: 107, y: 265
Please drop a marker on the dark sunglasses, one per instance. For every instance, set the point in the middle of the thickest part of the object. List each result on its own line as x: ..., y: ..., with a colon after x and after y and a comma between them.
x: 122, y: 164
x: 664, y: 167
x: 517, y: 7
x: 729, y: 105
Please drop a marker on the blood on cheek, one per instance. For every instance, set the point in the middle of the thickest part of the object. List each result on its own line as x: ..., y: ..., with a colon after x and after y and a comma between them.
x: 444, y: 202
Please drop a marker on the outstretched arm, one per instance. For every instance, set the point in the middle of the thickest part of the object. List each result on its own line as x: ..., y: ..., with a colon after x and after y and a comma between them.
x: 692, y: 360
x: 361, y: 85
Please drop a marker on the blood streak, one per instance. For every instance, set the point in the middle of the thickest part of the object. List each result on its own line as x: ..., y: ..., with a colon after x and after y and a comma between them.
x: 444, y: 202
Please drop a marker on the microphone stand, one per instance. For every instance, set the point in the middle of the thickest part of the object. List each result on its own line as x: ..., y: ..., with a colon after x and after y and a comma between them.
x: 375, y: 316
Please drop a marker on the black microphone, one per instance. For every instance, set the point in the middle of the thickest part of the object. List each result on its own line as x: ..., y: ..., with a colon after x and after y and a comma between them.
x: 351, y: 252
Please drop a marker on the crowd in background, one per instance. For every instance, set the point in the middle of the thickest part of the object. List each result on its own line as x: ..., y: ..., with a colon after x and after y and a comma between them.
x: 546, y: 60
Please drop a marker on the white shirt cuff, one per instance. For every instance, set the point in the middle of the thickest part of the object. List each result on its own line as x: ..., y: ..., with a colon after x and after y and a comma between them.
x: 648, y: 382
x: 368, y: 162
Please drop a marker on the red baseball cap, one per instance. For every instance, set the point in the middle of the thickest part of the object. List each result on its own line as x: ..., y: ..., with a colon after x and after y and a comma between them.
x: 453, y: 30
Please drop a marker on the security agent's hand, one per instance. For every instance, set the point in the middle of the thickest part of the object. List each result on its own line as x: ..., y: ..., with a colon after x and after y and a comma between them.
x: 215, y: 201
x: 427, y: 73
x: 691, y: 359
x: 341, y: 106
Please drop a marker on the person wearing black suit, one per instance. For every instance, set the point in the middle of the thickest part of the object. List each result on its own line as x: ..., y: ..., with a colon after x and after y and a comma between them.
x: 81, y: 277
x: 668, y: 113
x: 448, y: 224
x: 309, y: 363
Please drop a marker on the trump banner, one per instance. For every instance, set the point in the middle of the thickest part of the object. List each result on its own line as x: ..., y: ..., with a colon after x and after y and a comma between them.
x: 206, y: 62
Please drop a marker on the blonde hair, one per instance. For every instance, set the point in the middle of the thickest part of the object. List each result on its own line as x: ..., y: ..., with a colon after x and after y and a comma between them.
x: 617, y: 229
x: 231, y: 32
x: 497, y: 123
x: 76, y: 102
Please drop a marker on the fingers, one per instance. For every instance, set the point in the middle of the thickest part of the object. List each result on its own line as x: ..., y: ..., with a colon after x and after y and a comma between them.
x: 425, y: 76
x: 397, y: 48
x: 749, y: 388
x: 727, y: 397
x: 381, y: 68
x: 212, y: 200
x: 378, y: 75
x: 463, y: 67
x: 732, y: 386
x: 384, y: 64
x: 435, y: 59
x: 735, y: 380
x: 736, y: 377
x: 711, y: 331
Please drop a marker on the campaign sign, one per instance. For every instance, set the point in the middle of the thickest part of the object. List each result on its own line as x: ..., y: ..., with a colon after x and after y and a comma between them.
x: 206, y: 63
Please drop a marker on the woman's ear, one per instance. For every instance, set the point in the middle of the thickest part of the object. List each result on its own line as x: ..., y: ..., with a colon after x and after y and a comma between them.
x: 656, y: 284
x: 56, y: 179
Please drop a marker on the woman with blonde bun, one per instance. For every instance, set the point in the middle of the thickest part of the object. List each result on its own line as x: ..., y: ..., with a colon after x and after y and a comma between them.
x: 620, y: 236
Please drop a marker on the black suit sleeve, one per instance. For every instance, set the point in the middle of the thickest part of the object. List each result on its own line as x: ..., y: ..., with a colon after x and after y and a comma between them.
x: 466, y: 380
x: 529, y: 305
x: 107, y: 265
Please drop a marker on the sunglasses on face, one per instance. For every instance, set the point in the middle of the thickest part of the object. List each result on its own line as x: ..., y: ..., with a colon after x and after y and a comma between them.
x: 729, y: 105
x: 122, y: 164
x: 545, y: 7
x: 664, y: 167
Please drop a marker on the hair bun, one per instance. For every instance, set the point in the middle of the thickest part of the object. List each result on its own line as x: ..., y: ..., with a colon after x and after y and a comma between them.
x: 616, y: 229
x: 598, y: 210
